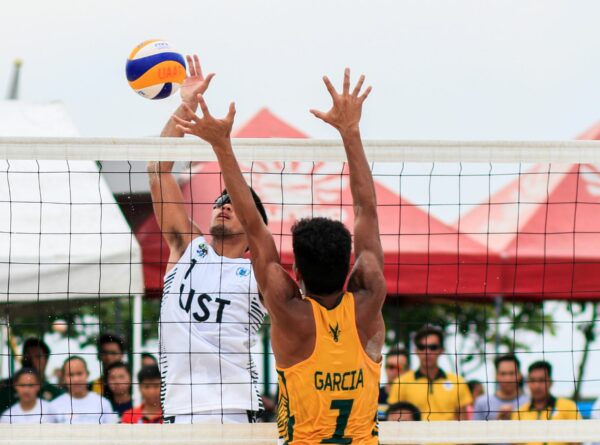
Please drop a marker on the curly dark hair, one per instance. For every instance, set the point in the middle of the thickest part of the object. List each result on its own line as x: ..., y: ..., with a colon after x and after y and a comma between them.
x: 322, y: 253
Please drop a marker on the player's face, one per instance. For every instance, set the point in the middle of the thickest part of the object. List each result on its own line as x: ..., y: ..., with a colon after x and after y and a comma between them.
x: 508, y: 376
x: 150, y: 390
x: 395, y: 365
x: 110, y: 353
x: 224, y: 221
x: 119, y: 381
x: 27, y: 388
x: 539, y: 384
x: 429, y: 350
x: 76, y: 378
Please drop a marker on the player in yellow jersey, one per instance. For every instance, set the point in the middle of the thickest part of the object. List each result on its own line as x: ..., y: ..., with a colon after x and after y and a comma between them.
x: 327, y: 339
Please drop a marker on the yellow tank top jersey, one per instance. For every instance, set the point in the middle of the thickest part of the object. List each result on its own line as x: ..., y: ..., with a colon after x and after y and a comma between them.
x: 331, y: 397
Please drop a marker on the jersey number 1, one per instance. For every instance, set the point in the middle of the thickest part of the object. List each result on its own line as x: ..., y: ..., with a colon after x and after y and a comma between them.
x: 344, y: 407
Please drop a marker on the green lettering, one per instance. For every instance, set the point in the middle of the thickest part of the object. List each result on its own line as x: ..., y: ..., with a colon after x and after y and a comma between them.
x: 360, y: 379
x: 318, y: 380
x: 328, y: 383
x: 337, y: 379
x: 344, y: 387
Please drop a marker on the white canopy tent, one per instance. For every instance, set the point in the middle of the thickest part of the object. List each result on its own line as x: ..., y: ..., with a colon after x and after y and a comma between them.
x: 62, y: 234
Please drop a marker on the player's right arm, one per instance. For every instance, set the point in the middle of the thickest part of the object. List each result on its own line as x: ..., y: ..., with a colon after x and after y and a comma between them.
x: 167, y: 199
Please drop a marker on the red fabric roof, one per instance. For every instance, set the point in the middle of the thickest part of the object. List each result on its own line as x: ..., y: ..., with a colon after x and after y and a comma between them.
x: 423, y: 256
x: 545, y: 226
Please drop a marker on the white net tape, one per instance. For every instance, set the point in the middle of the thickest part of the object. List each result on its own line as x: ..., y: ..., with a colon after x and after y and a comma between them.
x: 391, y: 433
x: 188, y: 149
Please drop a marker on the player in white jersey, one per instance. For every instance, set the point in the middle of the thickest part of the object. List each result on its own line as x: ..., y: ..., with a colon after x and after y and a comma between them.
x: 211, y: 310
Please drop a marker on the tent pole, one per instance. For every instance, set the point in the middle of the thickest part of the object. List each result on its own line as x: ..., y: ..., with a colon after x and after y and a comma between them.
x: 137, y: 345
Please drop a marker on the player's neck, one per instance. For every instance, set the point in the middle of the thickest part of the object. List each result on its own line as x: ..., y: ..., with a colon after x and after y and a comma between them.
x: 328, y: 301
x: 120, y: 399
x: 229, y: 246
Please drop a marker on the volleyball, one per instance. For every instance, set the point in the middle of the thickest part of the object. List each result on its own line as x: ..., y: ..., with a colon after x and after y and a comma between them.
x: 155, y: 70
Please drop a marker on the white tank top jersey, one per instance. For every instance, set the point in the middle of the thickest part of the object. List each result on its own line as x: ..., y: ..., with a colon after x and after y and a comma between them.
x: 209, y: 317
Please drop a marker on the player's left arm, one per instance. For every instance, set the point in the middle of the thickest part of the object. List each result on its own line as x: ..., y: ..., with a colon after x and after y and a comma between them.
x: 345, y: 115
x: 217, y: 132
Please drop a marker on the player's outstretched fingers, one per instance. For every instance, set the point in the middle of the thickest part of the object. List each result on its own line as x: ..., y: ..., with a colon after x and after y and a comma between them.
x: 208, y: 79
x: 358, y: 86
x: 203, y: 106
x: 318, y: 114
x: 330, y: 87
x: 231, y: 114
x: 346, y: 89
x: 191, y: 69
x: 365, y: 94
x: 197, y: 65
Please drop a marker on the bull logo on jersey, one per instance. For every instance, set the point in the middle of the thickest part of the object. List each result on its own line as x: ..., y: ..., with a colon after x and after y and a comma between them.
x: 202, y: 250
x: 242, y: 272
x: 335, y: 332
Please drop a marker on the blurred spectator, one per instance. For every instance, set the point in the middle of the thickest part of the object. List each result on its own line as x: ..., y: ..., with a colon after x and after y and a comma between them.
x: 118, y: 379
x: 148, y: 360
x: 80, y: 405
x: 111, y: 349
x: 508, y: 396
x: 396, y: 364
x: 543, y: 405
x: 35, y: 355
x: 439, y: 395
x: 30, y: 408
x: 402, y: 411
x: 150, y: 410
x: 476, y: 389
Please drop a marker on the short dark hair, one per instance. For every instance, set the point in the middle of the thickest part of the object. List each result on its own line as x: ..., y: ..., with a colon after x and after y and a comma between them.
x: 257, y: 201
x: 395, y: 350
x: 117, y: 365
x: 109, y: 337
x: 507, y: 358
x: 322, y: 249
x: 34, y: 342
x: 473, y: 383
x: 148, y: 355
x: 75, y: 357
x: 150, y: 372
x: 427, y: 330
x: 404, y: 406
x: 23, y: 371
x: 542, y: 364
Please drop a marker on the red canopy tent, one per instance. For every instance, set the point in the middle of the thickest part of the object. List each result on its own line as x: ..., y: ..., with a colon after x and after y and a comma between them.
x: 423, y: 256
x: 545, y: 225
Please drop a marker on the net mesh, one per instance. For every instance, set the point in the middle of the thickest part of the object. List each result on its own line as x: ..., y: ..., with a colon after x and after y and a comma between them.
x: 493, y: 242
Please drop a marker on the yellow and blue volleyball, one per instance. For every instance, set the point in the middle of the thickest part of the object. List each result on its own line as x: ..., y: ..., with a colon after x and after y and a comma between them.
x: 155, y: 70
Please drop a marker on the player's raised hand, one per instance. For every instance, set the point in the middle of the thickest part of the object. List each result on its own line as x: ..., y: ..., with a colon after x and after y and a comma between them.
x: 216, y: 132
x: 194, y: 83
x: 347, y: 106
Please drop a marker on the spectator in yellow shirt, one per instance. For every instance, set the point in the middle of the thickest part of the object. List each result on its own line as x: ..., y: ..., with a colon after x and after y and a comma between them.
x: 543, y: 405
x: 438, y: 394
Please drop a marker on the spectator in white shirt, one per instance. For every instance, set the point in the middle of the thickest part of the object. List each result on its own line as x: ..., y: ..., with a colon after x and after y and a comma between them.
x: 30, y: 408
x: 80, y: 405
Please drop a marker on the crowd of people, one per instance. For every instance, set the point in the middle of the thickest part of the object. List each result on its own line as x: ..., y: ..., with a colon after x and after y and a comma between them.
x: 428, y: 393
x: 432, y: 393
x: 28, y: 397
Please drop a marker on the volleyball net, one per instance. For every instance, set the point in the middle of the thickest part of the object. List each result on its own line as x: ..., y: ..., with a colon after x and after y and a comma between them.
x: 494, y: 243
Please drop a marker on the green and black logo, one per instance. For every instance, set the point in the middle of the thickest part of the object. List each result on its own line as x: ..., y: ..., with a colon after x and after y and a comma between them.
x: 335, y: 332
